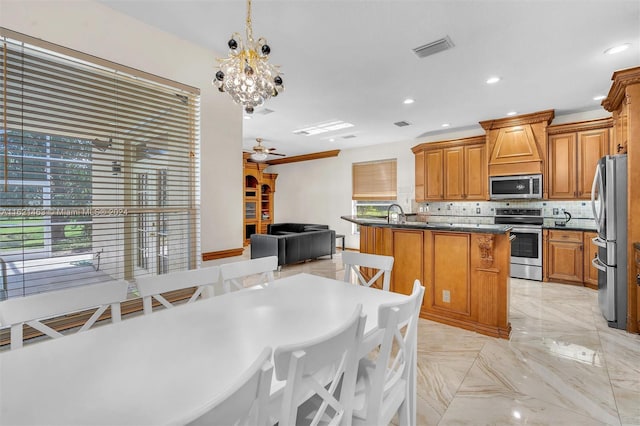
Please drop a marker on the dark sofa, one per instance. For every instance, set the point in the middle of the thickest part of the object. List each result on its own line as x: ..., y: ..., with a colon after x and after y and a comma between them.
x: 294, y: 242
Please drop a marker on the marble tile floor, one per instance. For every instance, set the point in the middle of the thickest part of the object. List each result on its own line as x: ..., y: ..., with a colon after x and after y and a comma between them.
x: 562, y: 364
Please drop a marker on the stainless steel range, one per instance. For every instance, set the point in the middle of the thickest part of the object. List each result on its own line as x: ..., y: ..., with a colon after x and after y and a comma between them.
x: 526, y: 247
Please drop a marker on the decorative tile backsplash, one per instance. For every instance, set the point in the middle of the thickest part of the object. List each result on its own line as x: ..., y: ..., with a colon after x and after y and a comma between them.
x: 579, y: 209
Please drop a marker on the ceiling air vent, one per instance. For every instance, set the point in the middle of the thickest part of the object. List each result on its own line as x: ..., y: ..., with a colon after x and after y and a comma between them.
x: 349, y: 137
x: 402, y: 123
x: 433, y: 47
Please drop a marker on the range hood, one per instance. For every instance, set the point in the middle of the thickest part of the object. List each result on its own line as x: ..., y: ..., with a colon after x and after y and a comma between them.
x: 517, y: 145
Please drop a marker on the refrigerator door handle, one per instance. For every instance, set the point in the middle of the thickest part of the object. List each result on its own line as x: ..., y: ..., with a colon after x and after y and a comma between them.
x: 597, y: 241
x: 598, y: 264
x: 597, y: 184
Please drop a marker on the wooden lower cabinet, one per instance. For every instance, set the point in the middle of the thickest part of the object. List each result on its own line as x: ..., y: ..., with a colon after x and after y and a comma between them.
x: 566, y: 263
x: 465, y: 275
x: 567, y: 257
x: 636, y: 278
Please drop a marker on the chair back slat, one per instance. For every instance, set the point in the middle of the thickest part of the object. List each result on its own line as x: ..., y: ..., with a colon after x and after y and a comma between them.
x: 233, y: 273
x: 353, y: 261
x: 322, y: 368
x: 399, y: 322
x: 31, y: 310
x: 152, y: 287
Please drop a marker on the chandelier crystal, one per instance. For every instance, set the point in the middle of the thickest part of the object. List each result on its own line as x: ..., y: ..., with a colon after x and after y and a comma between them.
x: 246, y: 75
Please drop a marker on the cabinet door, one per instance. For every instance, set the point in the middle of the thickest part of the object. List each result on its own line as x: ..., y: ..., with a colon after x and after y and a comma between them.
x: 475, y: 177
x: 453, y: 173
x: 407, y: 264
x: 420, y: 177
x: 451, y: 286
x: 566, y: 261
x: 590, y: 251
x: 592, y: 145
x: 562, y: 170
x: 433, y: 175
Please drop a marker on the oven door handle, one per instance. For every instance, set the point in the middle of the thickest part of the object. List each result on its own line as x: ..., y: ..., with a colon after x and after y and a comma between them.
x: 598, y: 264
x: 513, y: 237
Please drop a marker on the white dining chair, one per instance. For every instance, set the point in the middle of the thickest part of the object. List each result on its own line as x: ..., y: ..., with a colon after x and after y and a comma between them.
x: 152, y: 286
x: 323, y: 373
x: 244, y: 404
x: 383, y: 383
x: 353, y: 261
x: 32, y: 310
x: 233, y: 273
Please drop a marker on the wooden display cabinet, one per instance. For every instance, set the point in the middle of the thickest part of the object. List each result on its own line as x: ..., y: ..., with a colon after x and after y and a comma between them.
x: 259, y: 188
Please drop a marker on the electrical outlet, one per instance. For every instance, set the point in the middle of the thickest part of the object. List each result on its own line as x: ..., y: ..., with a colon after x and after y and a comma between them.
x: 555, y: 211
x: 477, y: 210
x: 446, y: 296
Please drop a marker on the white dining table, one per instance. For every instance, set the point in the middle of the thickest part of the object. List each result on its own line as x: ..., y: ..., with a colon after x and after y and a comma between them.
x: 154, y: 369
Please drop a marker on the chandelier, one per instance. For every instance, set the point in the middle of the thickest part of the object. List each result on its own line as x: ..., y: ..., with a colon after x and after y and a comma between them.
x: 246, y: 75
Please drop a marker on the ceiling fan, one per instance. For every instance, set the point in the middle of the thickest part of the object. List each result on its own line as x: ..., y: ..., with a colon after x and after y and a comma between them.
x: 261, y: 152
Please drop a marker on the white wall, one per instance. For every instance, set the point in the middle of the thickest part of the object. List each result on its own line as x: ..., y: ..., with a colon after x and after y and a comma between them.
x: 93, y: 28
x: 319, y: 191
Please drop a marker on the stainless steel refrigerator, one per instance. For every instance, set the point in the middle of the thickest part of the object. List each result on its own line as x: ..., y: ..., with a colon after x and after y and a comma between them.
x: 609, y: 203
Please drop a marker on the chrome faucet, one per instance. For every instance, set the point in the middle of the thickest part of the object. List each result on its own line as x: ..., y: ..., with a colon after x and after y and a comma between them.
x: 402, y: 215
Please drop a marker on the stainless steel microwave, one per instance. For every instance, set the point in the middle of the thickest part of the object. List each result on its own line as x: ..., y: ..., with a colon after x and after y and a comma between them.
x: 511, y: 187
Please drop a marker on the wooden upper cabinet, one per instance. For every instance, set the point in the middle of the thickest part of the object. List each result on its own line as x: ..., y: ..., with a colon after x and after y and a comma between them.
x: 451, y: 170
x: 475, y: 182
x: 562, y: 169
x: 454, y: 172
x: 433, y: 186
x: 592, y: 145
x: 419, y: 178
x: 574, y: 150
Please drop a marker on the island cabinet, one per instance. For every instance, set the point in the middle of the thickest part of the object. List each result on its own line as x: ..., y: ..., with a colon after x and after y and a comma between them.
x: 465, y: 274
x: 574, y: 150
x: 451, y: 170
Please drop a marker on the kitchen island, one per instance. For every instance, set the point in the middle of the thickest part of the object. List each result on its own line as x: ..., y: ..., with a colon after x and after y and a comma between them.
x: 464, y: 268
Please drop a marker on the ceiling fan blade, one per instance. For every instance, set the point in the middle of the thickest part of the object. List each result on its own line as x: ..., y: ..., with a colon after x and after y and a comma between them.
x: 276, y: 153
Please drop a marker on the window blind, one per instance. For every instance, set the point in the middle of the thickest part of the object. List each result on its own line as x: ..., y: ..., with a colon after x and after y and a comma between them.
x: 99, y: 175
x: 375, y: 180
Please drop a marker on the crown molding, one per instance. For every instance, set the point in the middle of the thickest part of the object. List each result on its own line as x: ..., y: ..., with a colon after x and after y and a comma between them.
x: 621, y: 79
x: 580, y: 126
x: 519, y: 120
x: 305, y: 157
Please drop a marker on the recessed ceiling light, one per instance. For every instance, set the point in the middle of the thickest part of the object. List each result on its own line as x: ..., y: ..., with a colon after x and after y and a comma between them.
x: 617, y: 49
x: 446, y: 125
x: 510, y: 113
x: 332, y: 140
x: 247, y: 117
x: 408, y: 101
x: 493, y: 80
x: 599, y: 97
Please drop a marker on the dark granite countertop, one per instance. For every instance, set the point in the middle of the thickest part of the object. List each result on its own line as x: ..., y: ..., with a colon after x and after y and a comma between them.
x: 439, y: 226
x: 636, y: 246
x: 572, y: 225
